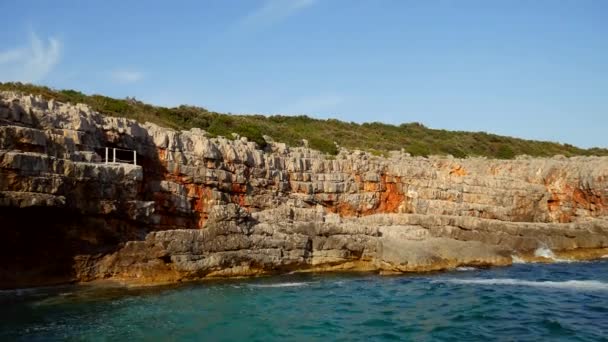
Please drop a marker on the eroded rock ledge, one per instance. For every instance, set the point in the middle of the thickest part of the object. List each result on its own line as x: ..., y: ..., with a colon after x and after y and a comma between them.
x: 197, y: 207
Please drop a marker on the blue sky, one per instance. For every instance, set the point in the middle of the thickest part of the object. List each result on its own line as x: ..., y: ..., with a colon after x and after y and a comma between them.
x: 532, y: 69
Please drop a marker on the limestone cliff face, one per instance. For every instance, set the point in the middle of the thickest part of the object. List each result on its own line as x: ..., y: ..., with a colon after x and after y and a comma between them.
x: 196, y: 206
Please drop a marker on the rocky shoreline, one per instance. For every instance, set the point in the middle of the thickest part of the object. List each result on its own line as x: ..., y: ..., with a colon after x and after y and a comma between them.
x: 197, y: 207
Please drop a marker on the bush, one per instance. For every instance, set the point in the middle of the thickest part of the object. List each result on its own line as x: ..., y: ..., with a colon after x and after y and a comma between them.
x: 375, y: 137
x: 505, y: 152
x: 325, y: 146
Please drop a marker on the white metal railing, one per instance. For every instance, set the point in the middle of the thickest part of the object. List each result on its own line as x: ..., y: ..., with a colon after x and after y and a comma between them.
x: 114, y: 160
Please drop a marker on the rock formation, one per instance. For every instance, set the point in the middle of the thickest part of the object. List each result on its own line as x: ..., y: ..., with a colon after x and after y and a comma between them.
x: 196, y: 206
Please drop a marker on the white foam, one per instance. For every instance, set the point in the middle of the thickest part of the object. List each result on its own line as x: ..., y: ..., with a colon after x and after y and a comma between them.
x: 465, y: 268
x: 517, y: 260
x: 547, y: 253
x: 294, y: 284
x: 590, y: 285
x: 544, y: 252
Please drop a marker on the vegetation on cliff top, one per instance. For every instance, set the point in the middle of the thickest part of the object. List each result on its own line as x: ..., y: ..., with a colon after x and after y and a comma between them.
x: 375, y: 137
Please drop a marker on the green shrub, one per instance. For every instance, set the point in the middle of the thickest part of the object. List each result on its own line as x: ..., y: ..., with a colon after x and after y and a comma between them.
x: 322, y: 145
x: 505, y: 152
x: 375, y: 137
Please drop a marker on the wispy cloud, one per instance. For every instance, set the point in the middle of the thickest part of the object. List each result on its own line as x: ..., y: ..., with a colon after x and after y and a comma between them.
x: 126, y: 76
x: 274, y: 11
x: 10, y: 56
x: 311, y: 105
x: 30, y: 63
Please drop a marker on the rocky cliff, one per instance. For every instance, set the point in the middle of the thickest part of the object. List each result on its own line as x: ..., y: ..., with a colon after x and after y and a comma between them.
x: 196, y: 206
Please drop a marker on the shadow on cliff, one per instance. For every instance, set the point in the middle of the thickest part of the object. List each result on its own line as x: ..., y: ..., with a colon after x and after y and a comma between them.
x: 53, y: 245
x: 40, y: 244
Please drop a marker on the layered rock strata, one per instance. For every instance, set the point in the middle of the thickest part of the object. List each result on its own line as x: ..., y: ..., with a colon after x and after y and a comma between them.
x: 196, y: 206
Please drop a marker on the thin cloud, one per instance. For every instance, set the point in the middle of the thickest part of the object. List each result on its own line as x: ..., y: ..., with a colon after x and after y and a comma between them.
x: 274, y: 11
x: 31, y: 63
x: 126, y: 76
x: 10, y: 56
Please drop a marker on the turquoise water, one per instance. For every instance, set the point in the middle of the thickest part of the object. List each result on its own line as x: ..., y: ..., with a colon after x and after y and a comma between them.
x: 527, y: 302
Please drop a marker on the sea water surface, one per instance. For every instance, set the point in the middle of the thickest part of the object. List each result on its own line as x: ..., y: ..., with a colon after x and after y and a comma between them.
x: 525, y: 302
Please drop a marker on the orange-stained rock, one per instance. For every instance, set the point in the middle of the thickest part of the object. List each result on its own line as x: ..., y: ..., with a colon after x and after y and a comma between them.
x: 391, y: 199
x: 197, y: 207
x: 458, y: 170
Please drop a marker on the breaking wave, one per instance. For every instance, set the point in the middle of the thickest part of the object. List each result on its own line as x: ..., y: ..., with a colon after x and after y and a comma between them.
x: 591, y: 285
x: 517, y: 260
x: 544, y: 252
x: 540, y: 252
x: 547, y: 253
x: 292, y: 284
x: 465, y: 268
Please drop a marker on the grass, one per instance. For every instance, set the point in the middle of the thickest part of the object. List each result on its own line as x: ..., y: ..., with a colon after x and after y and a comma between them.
x: 374, y: 137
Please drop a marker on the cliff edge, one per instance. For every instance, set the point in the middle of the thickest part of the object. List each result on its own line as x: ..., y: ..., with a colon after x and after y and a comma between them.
x: 192, y: 206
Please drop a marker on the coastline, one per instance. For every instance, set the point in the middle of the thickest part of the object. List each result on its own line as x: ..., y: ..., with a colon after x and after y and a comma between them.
x: 191, y: 206
x: 570, y: 256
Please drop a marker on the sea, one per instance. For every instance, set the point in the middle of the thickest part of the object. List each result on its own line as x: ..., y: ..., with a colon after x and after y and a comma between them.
x: 562, y: 301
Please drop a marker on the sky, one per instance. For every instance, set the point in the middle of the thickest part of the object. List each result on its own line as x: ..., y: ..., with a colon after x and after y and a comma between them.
x: 531, y: 69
